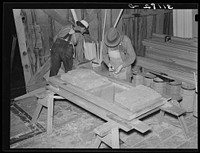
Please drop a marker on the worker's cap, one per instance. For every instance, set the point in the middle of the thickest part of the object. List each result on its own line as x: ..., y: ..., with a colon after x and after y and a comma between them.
x: 112, y: 37
x: 82, y: 23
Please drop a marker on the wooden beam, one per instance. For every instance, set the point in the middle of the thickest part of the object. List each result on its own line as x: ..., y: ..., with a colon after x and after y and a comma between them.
x: 22, y: 45
x: 74, y: 15
x: 30, y: 94
x: 104, y: 26
x: 117, y: 20
x: 37, y: 85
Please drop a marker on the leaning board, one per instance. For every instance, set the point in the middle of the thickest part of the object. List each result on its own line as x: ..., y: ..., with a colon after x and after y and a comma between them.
x: 103, y: 92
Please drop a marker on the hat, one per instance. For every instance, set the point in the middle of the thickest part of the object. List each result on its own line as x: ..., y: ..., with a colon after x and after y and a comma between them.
x: 82, y: 23
x: 112, y: 37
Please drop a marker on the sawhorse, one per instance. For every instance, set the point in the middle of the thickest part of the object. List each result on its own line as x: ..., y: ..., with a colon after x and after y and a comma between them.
x: 45, y: 99
x: 176, y: 111
x: 108, y: 133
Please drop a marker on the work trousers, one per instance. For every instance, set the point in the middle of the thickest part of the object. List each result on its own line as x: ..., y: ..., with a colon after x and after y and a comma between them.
x: 62, y: 51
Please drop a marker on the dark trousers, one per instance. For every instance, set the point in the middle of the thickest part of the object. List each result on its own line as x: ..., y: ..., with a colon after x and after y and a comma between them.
x: 61, y: 51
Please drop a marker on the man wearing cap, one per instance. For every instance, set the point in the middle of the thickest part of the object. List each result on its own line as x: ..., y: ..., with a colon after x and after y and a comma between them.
x: 118, y: 54
x: 63, y: 49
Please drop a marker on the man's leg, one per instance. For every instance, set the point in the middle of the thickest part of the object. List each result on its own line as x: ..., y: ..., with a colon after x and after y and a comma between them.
x: 67, y: 58
x: 55, y: 60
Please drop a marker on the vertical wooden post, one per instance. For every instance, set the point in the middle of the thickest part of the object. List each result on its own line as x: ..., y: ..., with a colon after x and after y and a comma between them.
x: 50, y: 103
x: 74, y: 15
x: 115, y: 138
x: 102, y: 41
x: 116, y: 22
x: 22, y: 44
x: 13, y: 52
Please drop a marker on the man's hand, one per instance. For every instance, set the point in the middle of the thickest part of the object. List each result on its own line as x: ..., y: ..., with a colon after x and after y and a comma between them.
x: 118, y: 69
x: 111, y: 68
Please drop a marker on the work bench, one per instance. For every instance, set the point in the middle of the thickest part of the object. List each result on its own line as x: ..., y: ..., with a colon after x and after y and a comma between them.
x: 115, y: 117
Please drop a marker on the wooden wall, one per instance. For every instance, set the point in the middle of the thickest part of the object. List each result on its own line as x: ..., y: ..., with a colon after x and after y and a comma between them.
x: 41, y: 25
x: 139, y: 24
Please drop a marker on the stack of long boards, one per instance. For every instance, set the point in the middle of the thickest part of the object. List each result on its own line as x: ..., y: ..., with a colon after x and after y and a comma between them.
x: 178, y: 56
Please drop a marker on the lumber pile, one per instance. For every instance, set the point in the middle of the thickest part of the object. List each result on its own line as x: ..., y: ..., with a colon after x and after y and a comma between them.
x: 177, y: 50
x: 171, y: 55
x: 172, y: 70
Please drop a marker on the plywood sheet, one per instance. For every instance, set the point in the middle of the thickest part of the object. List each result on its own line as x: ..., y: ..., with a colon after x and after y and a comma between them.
x: 85, y: 79
x: 137, y: 98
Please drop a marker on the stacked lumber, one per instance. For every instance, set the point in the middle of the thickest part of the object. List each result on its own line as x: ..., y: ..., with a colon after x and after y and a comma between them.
x: 176, y: 56
x: 177, y: 50
x: 181, y: 73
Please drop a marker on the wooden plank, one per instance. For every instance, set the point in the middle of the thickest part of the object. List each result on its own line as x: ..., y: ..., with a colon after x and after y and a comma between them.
x: 50, y: 103
x: 174, y: 71
x: 74, y: 15
x: 30, y: 94
x: 22, y: 45
x: 172, y: 109
x: 115, y: 138
x: 103, y: 129
x: 170, y: 59
x: 101, y: 47
x: 39, y: 84
x: 117, y: 20
x: 141, y: 126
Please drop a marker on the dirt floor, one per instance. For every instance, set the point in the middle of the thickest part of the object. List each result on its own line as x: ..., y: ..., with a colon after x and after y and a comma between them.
x: 73, y: 128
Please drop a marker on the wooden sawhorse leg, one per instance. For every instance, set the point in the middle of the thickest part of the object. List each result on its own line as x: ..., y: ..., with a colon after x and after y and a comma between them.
x: 47, y: 101
x: 108, y: 134
x: 176, y: 111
